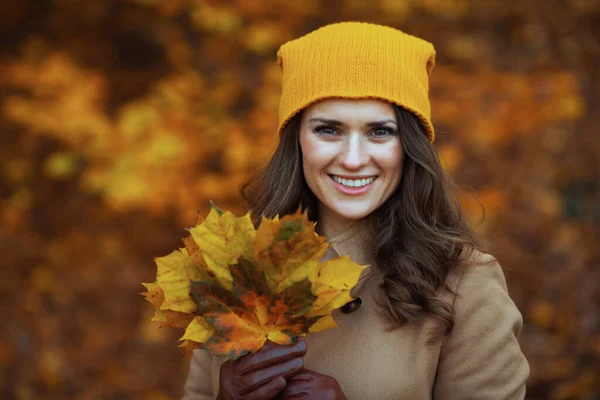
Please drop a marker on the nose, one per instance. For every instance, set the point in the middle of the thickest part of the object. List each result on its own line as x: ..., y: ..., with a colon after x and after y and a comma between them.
x: 354, y: 154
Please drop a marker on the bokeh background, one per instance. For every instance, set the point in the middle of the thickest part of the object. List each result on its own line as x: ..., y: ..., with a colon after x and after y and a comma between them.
x: 121, y: 119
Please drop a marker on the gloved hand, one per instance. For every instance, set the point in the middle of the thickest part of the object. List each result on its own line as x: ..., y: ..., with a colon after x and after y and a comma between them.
x: 309, y: 384
x: 261, y: 375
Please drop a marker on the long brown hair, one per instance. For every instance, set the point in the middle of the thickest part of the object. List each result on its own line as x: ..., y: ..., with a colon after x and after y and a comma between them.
x: 420, y: 234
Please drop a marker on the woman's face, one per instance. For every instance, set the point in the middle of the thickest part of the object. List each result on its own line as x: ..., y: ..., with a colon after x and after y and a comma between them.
x: 352, y: 156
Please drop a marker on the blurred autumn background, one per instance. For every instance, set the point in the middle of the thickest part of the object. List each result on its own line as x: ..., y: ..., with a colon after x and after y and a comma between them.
x: 121, y: 119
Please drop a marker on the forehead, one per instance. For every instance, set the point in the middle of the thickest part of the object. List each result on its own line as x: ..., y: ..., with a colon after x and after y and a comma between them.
x: 350, y: 109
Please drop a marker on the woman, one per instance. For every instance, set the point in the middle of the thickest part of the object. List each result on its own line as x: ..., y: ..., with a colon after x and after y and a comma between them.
x: 434, y: 319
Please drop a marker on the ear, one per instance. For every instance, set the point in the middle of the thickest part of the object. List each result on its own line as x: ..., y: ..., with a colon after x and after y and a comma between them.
x: 280, y: 58
x: 430, y: 64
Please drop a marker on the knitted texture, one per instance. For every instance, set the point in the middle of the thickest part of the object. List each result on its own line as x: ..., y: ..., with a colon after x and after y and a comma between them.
x: 356, y: 60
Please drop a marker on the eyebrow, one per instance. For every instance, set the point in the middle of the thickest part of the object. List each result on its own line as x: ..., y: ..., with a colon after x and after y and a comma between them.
x: 335, y: 122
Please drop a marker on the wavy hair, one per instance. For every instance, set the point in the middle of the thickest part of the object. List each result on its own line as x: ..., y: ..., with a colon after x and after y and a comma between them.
x: 421, y: 235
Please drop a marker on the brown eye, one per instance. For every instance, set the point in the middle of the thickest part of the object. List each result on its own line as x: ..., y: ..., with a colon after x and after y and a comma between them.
x: 326, y: 131
x: 382, y: 132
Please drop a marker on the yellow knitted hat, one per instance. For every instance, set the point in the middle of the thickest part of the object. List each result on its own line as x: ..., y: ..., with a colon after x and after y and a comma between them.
x: 356, y: 60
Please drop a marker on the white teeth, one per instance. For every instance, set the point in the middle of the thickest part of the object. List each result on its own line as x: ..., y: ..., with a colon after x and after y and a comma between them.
x: 353, y: 183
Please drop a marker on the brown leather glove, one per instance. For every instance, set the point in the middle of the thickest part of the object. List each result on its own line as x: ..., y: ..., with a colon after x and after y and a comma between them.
x: 261, y: 375
x: 309, y: 384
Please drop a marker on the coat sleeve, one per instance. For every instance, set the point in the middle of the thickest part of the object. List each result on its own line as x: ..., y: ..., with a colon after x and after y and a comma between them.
x: 482, y: 359
x: 198, y: 385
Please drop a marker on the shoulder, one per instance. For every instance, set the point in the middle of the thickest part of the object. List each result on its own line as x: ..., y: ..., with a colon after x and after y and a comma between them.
x: 481, y: 358
x: 481, y: 300
x: 477, y: 271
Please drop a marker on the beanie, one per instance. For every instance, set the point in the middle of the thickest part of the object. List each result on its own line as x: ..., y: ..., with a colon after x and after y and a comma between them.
x: 356, y: 60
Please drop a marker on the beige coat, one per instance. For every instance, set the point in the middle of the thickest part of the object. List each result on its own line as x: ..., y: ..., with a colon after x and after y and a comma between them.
x: 480, y: 360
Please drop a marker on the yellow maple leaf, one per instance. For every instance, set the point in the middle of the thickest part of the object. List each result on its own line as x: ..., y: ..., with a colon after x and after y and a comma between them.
x: 223, y: 238
x: 289, y: 249
x: 233, y: 287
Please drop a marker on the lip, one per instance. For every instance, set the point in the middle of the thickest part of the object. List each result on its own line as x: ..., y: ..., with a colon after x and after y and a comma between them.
x: 354, y: 176
x: 352, y: 191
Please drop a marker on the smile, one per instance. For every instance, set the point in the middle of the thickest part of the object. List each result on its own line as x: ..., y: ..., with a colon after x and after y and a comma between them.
x: 353, y: 183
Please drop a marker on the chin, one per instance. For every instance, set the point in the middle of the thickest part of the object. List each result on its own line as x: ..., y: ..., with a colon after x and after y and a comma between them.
x: 353, y: 212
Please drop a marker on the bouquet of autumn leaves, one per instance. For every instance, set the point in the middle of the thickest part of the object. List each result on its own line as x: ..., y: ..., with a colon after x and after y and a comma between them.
x: 232, y: 287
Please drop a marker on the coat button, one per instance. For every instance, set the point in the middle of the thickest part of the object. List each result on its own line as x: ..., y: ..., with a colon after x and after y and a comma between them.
x: 352, y: 306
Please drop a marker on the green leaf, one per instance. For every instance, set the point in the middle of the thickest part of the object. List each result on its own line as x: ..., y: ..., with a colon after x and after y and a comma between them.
x: 217, y: 209
x: 297, y: 298
x: 210, y: 298
x: 288, y: 230
x: 248, y: 277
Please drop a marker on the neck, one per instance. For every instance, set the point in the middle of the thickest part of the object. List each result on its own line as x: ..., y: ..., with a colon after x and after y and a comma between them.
x: 331, y: 224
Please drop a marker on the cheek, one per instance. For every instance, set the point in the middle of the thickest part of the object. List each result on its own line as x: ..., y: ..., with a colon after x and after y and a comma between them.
x: 391, y: 159
x: 316, y: 156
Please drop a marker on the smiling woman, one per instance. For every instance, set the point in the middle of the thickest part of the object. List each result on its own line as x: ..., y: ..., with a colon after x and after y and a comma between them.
x: 352, y: 158
x: 355, y: 151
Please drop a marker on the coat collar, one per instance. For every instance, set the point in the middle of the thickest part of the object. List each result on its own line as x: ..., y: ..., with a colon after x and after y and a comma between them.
x: 355, y: 242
